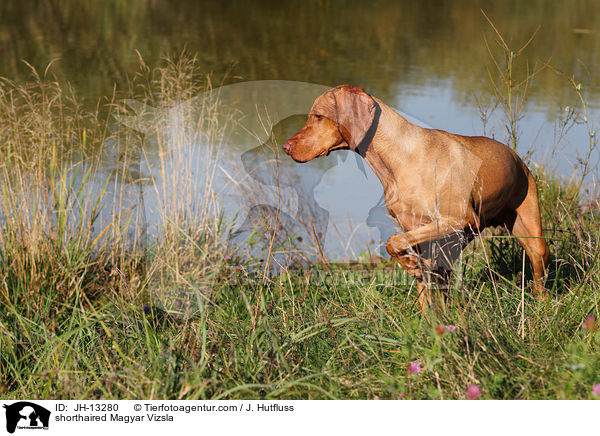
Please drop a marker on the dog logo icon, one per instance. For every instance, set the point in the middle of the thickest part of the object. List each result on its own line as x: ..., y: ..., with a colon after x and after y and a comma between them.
x: 26, y: 415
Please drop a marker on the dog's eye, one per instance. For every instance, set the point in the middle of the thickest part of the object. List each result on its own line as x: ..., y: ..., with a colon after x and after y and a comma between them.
x: 318, y: 117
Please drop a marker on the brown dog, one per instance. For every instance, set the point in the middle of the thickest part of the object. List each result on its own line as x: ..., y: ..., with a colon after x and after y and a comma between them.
x: 435, y: 183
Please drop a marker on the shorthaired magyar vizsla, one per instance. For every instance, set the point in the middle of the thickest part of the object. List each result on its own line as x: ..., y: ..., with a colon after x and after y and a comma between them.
x: 436, y: 183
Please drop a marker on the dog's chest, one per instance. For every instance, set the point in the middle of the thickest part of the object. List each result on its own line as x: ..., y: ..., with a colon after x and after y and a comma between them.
x: 405, y: 214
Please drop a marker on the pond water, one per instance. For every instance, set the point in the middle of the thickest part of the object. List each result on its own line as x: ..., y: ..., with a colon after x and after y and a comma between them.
x: 431, y: 60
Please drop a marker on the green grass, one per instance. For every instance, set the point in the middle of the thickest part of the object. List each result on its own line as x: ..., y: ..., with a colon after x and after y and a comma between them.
x: 86, y: 317
x: 73, y: 328
x: 347, y: 335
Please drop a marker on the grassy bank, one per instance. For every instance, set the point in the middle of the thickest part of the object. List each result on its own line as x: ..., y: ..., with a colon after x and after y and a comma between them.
x: 97, y: 314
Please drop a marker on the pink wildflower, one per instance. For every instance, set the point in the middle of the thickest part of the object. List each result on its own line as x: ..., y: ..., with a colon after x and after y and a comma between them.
x: 414, y: 368
x: 590, y: 324
x: 473, y: 392
x: 596, y: 389
x: 441, y: 329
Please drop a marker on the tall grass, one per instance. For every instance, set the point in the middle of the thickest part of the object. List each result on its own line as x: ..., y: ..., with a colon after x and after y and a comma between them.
x: 94, y: 308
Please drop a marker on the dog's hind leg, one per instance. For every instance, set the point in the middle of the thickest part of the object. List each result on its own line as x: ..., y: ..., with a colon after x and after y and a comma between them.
x: 527, y: 229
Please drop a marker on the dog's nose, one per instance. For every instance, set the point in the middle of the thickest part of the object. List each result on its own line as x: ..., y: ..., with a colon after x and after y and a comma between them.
x: 287, y: 147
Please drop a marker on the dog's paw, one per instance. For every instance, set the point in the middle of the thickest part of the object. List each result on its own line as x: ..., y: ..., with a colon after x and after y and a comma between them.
x: 397, y: 245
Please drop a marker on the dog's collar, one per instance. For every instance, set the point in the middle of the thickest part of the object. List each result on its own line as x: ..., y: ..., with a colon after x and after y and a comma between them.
x: 363, y: 145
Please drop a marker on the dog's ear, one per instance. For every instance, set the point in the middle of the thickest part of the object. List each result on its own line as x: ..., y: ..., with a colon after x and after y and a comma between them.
x: 355, y: 113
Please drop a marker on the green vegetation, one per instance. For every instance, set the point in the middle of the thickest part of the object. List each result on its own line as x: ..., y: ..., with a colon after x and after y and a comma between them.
x: 97, y: 314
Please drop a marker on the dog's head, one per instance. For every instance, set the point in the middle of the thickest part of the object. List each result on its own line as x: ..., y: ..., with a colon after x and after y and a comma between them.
x: 340, y: 118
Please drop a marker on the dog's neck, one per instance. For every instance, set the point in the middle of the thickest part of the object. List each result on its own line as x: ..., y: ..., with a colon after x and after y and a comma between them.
x: 394, y: 140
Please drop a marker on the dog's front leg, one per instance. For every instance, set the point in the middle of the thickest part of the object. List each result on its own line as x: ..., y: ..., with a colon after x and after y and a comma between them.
x: 414, y: 265
x: 402, y: 249
x: 398, y: 245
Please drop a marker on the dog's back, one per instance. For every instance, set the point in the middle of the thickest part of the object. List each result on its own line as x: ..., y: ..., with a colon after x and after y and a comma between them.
x: 502, y: 180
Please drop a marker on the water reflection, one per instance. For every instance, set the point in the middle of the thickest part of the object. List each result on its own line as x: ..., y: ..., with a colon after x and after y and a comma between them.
x: 382, y: 45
